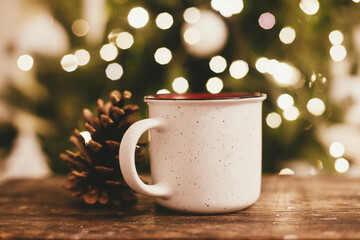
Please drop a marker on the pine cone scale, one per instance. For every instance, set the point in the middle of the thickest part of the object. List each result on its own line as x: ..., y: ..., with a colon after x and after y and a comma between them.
x: 82, y: 148
x: 113, y: 145
x: 95, y: 146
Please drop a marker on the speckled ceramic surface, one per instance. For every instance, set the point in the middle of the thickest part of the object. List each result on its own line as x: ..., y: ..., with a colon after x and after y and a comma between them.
x: 205, y: 153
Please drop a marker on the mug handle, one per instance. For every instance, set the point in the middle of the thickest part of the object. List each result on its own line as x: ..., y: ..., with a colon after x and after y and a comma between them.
x: 127, y: 159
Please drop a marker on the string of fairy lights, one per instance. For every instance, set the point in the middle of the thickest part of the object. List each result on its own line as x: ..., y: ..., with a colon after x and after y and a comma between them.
x: 282, y: 74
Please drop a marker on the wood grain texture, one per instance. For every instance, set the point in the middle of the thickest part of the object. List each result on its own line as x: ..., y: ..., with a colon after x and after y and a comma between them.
x: 289, y: 208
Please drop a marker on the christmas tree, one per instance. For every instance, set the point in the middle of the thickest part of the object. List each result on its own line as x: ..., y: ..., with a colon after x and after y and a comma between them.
x: 287, y: 49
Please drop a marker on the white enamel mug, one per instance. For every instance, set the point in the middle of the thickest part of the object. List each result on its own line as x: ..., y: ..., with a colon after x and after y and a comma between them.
x: 205, y: 151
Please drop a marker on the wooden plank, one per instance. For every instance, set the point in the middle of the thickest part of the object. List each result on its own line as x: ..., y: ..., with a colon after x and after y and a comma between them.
x: 289, y: 208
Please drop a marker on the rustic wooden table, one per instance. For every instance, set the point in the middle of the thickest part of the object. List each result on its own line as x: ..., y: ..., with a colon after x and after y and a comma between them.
x: 289, y: 208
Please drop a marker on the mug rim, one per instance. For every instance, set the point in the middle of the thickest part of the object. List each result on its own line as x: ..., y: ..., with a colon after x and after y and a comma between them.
x: 204, y: 96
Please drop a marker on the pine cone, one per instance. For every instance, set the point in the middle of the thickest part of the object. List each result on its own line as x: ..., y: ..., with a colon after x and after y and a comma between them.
x: 95, y: 173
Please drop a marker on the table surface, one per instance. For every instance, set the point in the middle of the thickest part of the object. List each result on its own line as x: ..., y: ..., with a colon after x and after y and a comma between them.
x: 290, y: 207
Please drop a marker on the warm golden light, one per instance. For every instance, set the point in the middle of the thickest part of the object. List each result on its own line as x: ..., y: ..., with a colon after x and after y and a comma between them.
x: 341, y: 165
x: 238, y: 69
x: 25, y: 62
x: 337, y: 149
x: 214, y: 85
x: 273, y: 120
x: 261, y: 64
x: 320, y: 164
x: 207, y: 36
x: 163, y: 91
x: 80, y: 27
x: 217, y: 64
x: 124, y: 40
x: 138, y: 17
x: 164, y: 21
x: 291, y: 113
x: 286, y: 171
x: 313, y: 77
x: 192, y: 35
x: 113, y: 35
x: 272, y: 65
x: 316, y: 106
x: 284, y: 74
x: 192, y: 15
x: 69, y: 63
x: 108, y: 52
x: 336, y: 37
x: 82, y: 56
x: 163, y: 56
x: 287, y: 35
x: 338, y: 53
x: 227, y: 8
x: 180, y: 85
x: 285, y: 101
x: 114, y: 71
x: 310, y: 7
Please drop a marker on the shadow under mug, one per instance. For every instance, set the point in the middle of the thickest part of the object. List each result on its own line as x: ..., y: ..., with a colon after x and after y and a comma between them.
x: 205, y: 151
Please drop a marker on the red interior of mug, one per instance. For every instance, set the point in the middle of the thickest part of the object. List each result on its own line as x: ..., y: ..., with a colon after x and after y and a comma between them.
x: 189, y: 96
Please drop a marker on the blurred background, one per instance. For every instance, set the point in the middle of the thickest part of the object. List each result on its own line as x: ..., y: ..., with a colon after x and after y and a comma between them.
x: 58, y: 57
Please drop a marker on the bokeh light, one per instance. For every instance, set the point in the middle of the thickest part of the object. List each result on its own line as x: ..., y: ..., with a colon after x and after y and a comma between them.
x: 336, y: 37
x: 291, y: 113
x: 192, y: 15
x: 320, y: 164
x: 207, y: 36
x: 266, y: 20
x: 113, y: 35
x: 114, y: 71
x: 261, y: 64
x: 108, y: 52
x: 25, y: 62
x: 337, y: 149
x: 316, y: 106
x: 82, y: 56
x: 164, y: 21
x: 271, y: 66
x: 285, y: 101
x: 227, y: 8
x: 86, y: 136
x: 313, y: 77
x: 163, y: 91
x: 338, y: 53
x: 310, y: 7
x: 287, y: 35
x: 214, y: 85
x: 283, y: 73
x: 217, y: 64
x: 286, y: 171
x: 138, y: 17
x: 192, y: 35
x: 80, y: 27
x: 69, y: 63
x: 163, y: 55
x: 124, y: 40
x: 180, y: 85
x: 341, y: 165
x: 273, y: 120
x: 238, y: 69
